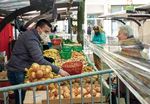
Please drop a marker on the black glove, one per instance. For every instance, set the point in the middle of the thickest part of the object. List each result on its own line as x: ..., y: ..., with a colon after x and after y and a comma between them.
x: 49, y: 59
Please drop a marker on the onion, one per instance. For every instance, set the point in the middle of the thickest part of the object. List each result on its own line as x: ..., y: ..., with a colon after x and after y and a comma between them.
x: 96, y: 82
x: 84, y: 91
x: 34, y: 80
x: 47, y: 70
x: 46, y: 75
x: 65, y: 88
x: 39, y: 74
x: 73, y: 95
x: 98, y: 95
x: 27, y: 81
x: 39, y: 87
x: 57, y: 97
x: 43, y: 87
x: 78, y: 96
x: 88, y: 96
x: 49, y: 67
x: 51, y: 86
x: 35, y: 67
x: 52, y: 97
x: 76, y: 91
x: 88, y: 89
x: 94, y: 93
x: 43, y: 67
x: 33, y: 75
x: 97, y: 89
x: 43, y: 79
x: 76, y: 84
x: 66, y: 95
x: 55, y: 92
x: 51, y: 76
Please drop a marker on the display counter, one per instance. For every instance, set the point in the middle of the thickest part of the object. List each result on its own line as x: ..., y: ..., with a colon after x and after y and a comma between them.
x: 133, y: 72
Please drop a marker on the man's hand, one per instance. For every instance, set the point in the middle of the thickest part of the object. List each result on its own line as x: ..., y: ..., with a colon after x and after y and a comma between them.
x: 63, y: 73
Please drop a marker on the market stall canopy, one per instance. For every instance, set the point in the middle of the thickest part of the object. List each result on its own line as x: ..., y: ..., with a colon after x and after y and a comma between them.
x: 28, y: 9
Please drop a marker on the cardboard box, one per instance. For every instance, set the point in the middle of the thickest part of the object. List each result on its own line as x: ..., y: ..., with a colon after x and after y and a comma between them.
x: 3, y: 75
x: 77, y: 100
x: 39, y: 95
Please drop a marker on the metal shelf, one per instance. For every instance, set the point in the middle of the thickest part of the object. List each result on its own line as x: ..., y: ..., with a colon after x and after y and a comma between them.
x: 127, y: 15
x: 143, y: 8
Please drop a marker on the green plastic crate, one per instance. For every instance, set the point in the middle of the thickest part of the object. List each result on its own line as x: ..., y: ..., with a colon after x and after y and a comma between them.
x: 65, y: 54
x: 51, y: 36
x: 66, y: 48
x: 77, y: 48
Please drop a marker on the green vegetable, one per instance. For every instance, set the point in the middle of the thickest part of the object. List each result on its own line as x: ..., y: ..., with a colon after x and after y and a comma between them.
x: 67, y: 41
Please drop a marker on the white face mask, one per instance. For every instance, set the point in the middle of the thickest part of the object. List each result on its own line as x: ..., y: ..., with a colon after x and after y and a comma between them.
x: 43, y: 33
x: 45, y: 37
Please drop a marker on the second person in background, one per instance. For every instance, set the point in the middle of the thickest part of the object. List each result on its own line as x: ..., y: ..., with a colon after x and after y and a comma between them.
x: 98, y: 38
x: 99, y: 35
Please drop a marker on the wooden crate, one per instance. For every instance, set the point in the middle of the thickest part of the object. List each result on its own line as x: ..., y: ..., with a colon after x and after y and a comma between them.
x: 41, y: 99
x: 40, y: 95
x: 77, y: 101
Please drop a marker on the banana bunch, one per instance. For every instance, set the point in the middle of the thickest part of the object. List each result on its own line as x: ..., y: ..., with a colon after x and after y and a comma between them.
x: 52, y: 53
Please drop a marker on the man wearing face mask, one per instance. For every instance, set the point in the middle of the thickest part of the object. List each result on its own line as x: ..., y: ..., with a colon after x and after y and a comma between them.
x: 27, y: 50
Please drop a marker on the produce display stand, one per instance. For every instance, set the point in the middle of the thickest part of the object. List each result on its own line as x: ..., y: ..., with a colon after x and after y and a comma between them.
x: 32, y: 96
x: 102, y: 98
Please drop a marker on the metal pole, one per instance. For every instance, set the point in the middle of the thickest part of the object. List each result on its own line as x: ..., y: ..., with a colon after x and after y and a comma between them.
x: 101, y: 86
x: 59, y: 91
x: 92, y: 90
x: 15, y: 30
x: 20, y: 97
x: 34, y: 95
x: 47, y: 94
x: 5, y: 97
x: 110, y: 86
x: 81, y: 90
x: 71, y: 101
x: 118, y: 90
x: 127, y: 96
